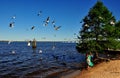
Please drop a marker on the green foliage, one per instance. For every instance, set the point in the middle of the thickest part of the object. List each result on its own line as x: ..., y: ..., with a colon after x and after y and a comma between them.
x: 100, y: 30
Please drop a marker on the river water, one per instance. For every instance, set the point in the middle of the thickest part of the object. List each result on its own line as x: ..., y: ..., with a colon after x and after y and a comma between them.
x: 17, y: 59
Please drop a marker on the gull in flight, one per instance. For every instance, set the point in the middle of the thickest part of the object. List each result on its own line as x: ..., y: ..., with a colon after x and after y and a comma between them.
x: 57, y: 27
x: 53, y: 22
x: 47, y: 21
x: 39, y: 13
x: 13, y: 17
x: 11, y: 24
x: 32, y: 27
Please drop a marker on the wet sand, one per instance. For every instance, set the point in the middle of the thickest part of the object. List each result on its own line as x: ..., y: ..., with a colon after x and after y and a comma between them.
x: 103, y: 70
x: 56, y: 72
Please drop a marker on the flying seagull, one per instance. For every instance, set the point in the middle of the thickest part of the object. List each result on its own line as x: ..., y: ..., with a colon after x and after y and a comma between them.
x: 47, y: 21
x: 13, y: 17
x: 11, y: 24
x: 57, y: 27
x: 39, y: 13
x: 81, y: 21
x: 32, y: 27
x: 112, y: 23
x: 53, y: 22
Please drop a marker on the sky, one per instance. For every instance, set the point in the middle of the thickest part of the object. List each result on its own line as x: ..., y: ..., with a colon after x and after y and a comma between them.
x: 66, y: 13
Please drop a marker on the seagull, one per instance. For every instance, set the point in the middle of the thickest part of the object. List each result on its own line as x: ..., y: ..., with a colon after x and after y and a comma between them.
x: 86, y: 25
x: 81, y: 21
x: 13, y: 17
x: 11, y: 24
x: 53, y: 22
x: 13, y: 52
x: 32, y: 27
x: 57, y: 27
x: 39, y: 13
x: 47, y: 21
x: 45, y: 24
x: 40, y: 51
x: 28, y: 43
x: 112, y: 23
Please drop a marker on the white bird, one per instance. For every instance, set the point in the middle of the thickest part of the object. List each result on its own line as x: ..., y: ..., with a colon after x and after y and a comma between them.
x: 40, y: 51
x: 28, y: 43
x: 112, y: 23
x: 13, y: 52
x: 13, y: 17
x: 86, y: 25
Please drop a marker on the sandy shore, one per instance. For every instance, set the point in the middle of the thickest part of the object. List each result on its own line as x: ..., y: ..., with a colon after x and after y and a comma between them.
x: 103, y: 70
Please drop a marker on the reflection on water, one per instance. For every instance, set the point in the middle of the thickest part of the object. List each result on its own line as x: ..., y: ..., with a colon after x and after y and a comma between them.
x: 17, y: 59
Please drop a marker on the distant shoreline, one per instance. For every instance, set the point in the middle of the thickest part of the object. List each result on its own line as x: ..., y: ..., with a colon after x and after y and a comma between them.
x: 39, y: 41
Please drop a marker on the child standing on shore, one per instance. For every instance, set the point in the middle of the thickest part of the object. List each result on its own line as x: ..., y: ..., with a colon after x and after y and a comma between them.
x: 89, y: 60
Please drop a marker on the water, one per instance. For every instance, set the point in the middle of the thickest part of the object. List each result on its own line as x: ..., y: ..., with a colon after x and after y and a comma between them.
x: 18, y: 59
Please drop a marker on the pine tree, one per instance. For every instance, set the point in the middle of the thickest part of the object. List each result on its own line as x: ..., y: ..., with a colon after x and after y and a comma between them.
x: 99, y: 30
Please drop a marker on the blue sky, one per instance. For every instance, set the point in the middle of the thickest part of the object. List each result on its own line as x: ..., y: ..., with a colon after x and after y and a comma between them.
x: 66, y: 13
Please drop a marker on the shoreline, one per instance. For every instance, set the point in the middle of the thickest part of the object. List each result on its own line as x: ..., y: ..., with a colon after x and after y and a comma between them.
x: 110, y: 69
x: 104, y: 69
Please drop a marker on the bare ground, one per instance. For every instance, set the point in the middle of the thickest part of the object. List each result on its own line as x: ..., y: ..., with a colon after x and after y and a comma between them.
x: 103, y: 70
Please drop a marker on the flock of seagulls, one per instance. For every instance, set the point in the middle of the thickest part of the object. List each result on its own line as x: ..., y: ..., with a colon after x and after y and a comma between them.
x: 45, y: 22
